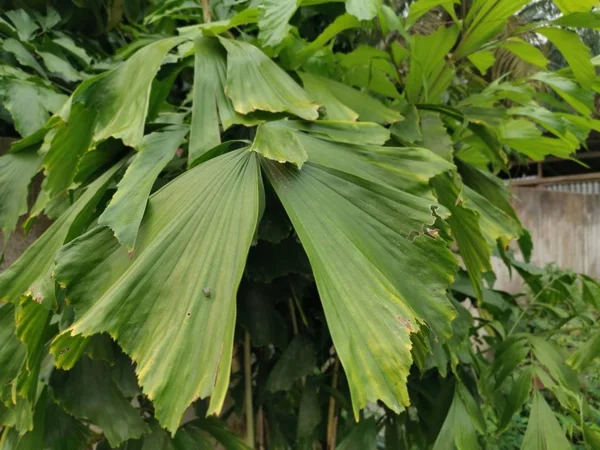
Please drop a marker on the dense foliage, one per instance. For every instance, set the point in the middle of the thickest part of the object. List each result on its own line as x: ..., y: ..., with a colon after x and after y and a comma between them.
x: 276, y: 219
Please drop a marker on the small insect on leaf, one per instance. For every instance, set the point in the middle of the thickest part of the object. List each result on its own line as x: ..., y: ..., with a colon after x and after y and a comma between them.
x: 206, y: 291
x: 64, y: 350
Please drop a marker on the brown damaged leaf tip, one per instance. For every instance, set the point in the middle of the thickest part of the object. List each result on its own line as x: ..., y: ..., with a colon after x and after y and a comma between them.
x: 433, y: 232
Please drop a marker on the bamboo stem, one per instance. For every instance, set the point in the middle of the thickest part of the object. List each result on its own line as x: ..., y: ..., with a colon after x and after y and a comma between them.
x: 260, y: 431
x: 293, y: 314
x: 332, y: 416
x: 206, y: 11
x: 248, y: 391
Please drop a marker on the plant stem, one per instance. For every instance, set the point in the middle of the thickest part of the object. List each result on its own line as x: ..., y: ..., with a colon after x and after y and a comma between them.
x: 529, y: 305
x: 332, y: 417
x: 206, y: 11
x: 299, y: 308
x: 248, y: 391
x: 293, y: 314
x: 260, y: 429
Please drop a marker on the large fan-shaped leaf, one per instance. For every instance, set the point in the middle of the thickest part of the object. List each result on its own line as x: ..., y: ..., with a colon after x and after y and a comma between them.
x: 179, y: 288
x: 112, y: 104
x: 277, y: 141
x: 274, y: 18
x: 211, y: 105
x: 345, y: 103
x: 31, y: 273
x: 430, y: 74
x: 255, y: 82
x: 126, y: 209
x: 363, y: 236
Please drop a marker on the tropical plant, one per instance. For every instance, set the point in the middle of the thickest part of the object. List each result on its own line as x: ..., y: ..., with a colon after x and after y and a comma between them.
x: 262, y: 214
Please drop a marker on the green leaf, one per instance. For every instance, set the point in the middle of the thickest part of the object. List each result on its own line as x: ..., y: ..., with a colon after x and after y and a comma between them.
x: 526, y: 51
x: 343, y: 102
x: 335, y: 108
x: 60, y: 67
x: 587, y: 19
x: 22, y: 54
x: 482, y: 60
x: 344, y: 131
x: 581, y: 100
x: 525, y: 137
x: 485, y: 20
x: 210, y: 101
x: 574, y: 51
x: 363, y: 9
x: 309, y: 414
x: 273, y: 23
x: 466, y: 229
x: 494, y: 222
x: 435, y: 137
x: 211, y: 210
x: 551, y: 121
x: 517, y: 397
x: 585, y: 354
x: 591, y: 291
x: 361, y: 232
x: 126, y: 209
x: 32, y: 329
x: 67, y: 44
x: 16, y: 172
x: 31, y: 274
x: 112, y: 104
x: 23, y: 22
x: 509, y: 354
x: 218, y: 430
x: 408, y: 131
x: 29, y: 104
x: 297, y: 361
x: 490, y: 187
x: 543, y: 430
x: 491, y: 144
x: 88, y: 391
x: 463, y: 422
x: 255, y: 82
x: 244, y: 17
x: 430, y: 75
x: 341, y: 23
x: 63, y: 432
x: 276, y: 141
x: 363, y: 436
x: 12, y: 350
x: 551, y: 357
x: 421, y: 7
x: 570, y: 6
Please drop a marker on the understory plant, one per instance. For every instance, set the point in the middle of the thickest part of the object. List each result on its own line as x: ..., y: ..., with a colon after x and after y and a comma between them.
x: 274, y: 222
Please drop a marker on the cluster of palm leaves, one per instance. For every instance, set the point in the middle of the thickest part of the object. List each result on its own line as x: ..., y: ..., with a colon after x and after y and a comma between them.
x: 282, y: 213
